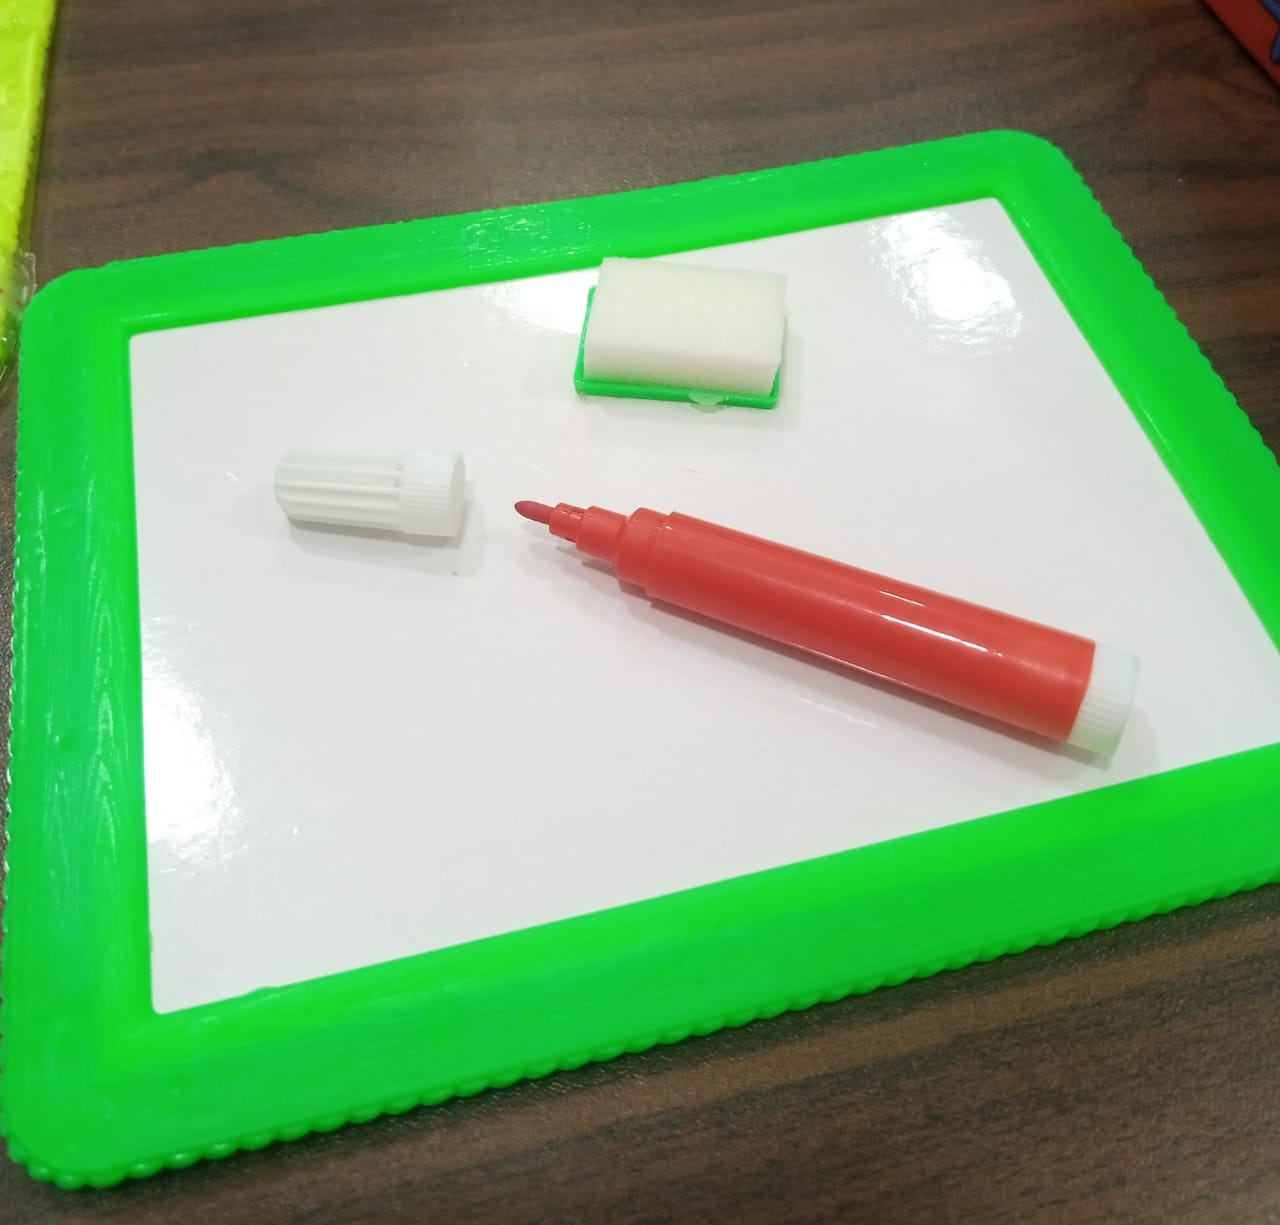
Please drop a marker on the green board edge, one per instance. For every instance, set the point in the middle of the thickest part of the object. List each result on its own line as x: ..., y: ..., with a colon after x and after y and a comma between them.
x: 97, y: 1087
x: 702, y: 396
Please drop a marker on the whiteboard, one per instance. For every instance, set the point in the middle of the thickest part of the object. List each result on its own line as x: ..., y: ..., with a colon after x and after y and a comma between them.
x: 359, y: 748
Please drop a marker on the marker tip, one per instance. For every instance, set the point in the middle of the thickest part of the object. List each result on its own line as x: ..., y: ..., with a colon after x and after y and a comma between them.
x: 539, y: 512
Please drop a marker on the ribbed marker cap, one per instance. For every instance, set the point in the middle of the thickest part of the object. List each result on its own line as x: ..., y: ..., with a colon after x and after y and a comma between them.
x: 420, y: 493
x: 1106, y: 702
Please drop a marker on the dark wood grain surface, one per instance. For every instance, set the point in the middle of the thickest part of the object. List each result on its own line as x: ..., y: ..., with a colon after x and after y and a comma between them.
x: 1128, y: 1076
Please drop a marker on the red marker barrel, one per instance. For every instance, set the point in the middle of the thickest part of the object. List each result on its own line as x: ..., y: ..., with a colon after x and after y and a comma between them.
x: 1043, y: 680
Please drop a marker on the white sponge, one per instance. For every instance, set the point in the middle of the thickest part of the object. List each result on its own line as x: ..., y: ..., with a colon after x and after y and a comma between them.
x: 685, y: 326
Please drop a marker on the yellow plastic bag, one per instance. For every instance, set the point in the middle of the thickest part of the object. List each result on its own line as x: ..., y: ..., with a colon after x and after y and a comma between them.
x: 25, y: 26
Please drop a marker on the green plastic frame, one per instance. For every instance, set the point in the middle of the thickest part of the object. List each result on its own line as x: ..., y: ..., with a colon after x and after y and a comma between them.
x: 662, y: 391
x: 97, y: 1086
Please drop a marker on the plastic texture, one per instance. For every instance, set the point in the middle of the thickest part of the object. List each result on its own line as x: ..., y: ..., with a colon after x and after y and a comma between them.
x: 1108, y: 697
x: 1005, y: 668
x: 97, y: 1086
x: 419, y: 493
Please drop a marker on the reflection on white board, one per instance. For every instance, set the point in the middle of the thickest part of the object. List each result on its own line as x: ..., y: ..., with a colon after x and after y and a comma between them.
x: 359, y: 748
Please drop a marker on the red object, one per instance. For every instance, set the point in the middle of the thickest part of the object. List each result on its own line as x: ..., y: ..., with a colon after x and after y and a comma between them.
x: 1016, y: 671
x: 539, y: 512
x: 1256, y: 24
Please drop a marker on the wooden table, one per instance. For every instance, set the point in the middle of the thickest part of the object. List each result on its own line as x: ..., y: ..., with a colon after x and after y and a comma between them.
x: 1131, y: 1076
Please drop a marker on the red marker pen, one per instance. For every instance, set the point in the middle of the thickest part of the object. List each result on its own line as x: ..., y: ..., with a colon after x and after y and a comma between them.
x: 1043, y: 680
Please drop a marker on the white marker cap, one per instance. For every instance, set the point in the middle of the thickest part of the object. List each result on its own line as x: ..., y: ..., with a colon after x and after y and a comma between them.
x: 1107, y: 700
x: 420, y: 493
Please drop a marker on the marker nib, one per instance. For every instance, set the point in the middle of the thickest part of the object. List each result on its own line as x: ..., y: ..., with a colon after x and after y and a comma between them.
x: 537, y: 511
